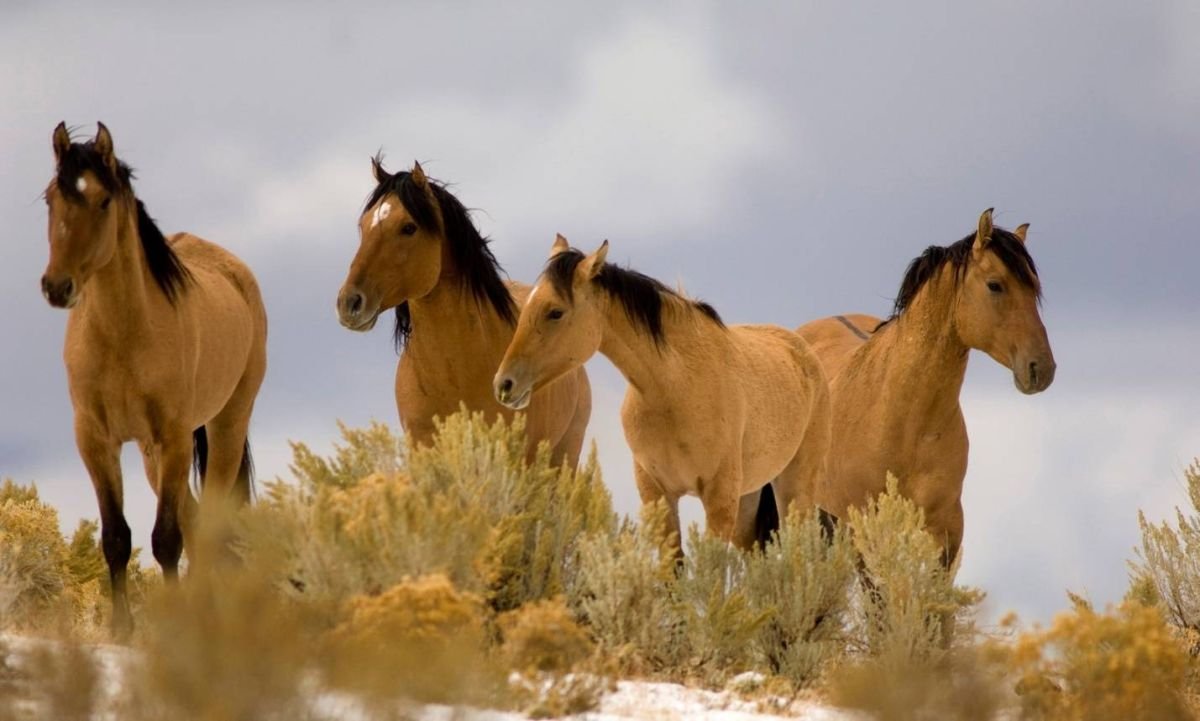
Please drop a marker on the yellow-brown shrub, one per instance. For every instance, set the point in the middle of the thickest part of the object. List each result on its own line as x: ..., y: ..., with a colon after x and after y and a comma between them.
x: 422, y: 638
x: 1124, y: 664
x: 543, y: 636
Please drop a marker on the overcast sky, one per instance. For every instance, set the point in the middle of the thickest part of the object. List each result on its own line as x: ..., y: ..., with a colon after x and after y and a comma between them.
x: 785, y: 163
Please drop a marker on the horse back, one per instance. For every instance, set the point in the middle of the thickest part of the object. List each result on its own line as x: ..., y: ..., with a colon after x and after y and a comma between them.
x: 836, y: 338
x: 214, y: 268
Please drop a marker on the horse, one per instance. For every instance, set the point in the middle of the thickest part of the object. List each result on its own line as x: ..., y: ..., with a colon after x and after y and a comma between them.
x: 165, y: 346
x: 421, y: 254
x: 896, y: 382
x: 711, y: 410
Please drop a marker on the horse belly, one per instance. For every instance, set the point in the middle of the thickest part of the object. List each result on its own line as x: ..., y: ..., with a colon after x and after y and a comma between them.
x: 224, y: 338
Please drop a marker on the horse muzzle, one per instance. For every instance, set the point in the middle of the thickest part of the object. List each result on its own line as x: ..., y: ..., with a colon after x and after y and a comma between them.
x: 60, y: 292
x: 511, y: 392
x: 354, y: 312
x: 1034, y: 376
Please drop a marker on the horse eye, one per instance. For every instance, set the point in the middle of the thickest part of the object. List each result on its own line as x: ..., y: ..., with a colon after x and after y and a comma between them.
x: 555, y: 314
x: 995, y: 286
x: 104, y: 203
x: 408, y: 229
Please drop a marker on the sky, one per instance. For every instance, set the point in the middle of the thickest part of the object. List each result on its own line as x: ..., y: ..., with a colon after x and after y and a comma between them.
x: 784, y: 161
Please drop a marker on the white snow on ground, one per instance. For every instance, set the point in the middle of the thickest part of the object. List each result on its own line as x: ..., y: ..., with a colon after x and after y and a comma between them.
x: 640, y: 700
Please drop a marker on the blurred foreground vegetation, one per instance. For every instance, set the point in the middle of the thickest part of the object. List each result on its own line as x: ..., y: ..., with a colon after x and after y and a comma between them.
x: 461, y: 574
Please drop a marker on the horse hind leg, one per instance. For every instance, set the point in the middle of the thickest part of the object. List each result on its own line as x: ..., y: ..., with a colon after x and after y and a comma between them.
x: 229, y: 472
x: 757, y: 518
x: 797, y: 484
x: 103, y: 461
x: 185, y: 501
x: 174, y: 466
x: 228, y: 477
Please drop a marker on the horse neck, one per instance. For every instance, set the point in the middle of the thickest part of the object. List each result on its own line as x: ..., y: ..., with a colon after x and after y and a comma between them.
x: 450, y: 319
x: 117, y: 296
x: 655, y: 370
x: 925, y: 362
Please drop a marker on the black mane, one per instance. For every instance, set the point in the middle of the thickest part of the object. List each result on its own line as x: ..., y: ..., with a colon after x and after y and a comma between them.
x: 1004, y: 245
x: 641, y: 296
x: 469, y: 250
x: 168, y: 271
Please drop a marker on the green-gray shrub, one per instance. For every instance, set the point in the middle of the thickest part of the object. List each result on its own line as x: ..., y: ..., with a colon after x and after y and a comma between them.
x: 1168, y: 560
x: 626, y: 593
x: 469, y: 506
x: 908, y: 603
x: 803, y: 580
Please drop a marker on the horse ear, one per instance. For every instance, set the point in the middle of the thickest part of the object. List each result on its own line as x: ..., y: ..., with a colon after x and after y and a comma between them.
x: 418, y: 176
x: 984, y: 235
x: 1021, y: 230
x: 104, y: 146
x: 594, y: 263
x: 560, y: 245
x: 381, y: 175
x: 62, y: 141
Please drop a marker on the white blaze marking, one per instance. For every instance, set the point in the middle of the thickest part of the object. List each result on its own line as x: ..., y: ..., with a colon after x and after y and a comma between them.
x: 62, y: 227
x: 534, y: 291
x: 80, y: 184
x: 383, y: 210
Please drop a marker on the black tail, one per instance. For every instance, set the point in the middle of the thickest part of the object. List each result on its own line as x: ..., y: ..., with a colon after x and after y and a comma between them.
x: 243, y: 487
x: 766, y: 520
x: 200, y: 456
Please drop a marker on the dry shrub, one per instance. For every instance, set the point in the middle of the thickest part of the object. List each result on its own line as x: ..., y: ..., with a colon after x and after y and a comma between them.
x: 1166, y: 575
x: 908, y: 602
x: 49, y: 583
x: 802, y: 580
x: 907, y: 666
x: 422, y: 639
x: 964, y: 684
x: 222, y: 645
x: 1124, y: 664
x: 721, y: 621
x: 468, y: 507
x: 626, y: 594
x: 366, y: 451
x: 33, y: 555
x: 544, y: 645
x: 547, y: 696
x: 543, y: 637
x: 1168, y: 562
x: 64, y: 682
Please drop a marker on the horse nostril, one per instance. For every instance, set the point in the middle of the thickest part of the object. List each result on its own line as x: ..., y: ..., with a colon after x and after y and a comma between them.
x: 60, y: 292
x: 356, y: 303
x: 1033, y: 372
x: 506, y: 386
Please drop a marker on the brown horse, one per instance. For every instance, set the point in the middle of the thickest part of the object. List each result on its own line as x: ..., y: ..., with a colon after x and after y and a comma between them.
x: 165, y: 346
x: 711, y: 411
x: 421, y: 254
x: 895, y: 384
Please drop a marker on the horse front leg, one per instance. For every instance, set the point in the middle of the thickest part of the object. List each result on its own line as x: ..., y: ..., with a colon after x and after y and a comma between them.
x: 721, y: 496
x: 102, y: 457
x: 651, y: 490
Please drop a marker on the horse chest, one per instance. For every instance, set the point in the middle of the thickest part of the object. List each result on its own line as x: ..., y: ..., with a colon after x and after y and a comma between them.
x: 674, y: 450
